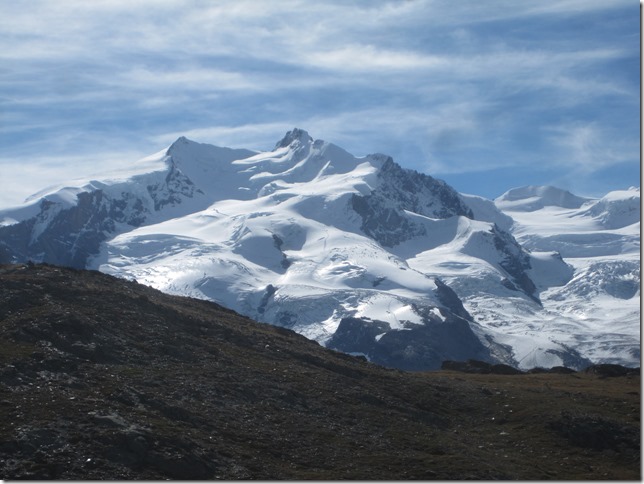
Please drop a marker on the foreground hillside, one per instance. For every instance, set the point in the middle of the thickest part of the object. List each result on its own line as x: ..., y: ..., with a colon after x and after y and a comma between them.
x: 105, y: 378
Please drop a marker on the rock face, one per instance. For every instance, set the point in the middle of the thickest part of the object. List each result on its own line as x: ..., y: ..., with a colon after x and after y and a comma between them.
x: 398, y: 191
x: 70, y: 236
x: 103, y: 378
x: 415, y: 348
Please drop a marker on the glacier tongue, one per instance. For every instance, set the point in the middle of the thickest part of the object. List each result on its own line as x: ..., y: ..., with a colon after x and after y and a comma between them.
x: 358, y: 253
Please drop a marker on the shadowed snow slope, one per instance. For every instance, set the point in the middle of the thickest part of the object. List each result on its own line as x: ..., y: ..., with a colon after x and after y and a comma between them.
x: 356, y: 252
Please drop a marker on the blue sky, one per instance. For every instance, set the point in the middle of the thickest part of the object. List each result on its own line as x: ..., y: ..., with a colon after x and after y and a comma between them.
x: 487, y: 95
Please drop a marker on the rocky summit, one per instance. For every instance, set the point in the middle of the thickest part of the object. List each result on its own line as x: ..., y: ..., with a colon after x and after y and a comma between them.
x: 104, y: 378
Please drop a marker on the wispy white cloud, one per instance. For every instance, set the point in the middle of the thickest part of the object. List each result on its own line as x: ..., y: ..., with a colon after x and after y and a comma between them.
x: 474, y: 12
x: 187, y: 79
x: 369, y: 57
x: 586, y: 147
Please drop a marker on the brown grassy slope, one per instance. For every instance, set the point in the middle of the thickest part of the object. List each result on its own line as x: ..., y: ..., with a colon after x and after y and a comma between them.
x: 104, y: 378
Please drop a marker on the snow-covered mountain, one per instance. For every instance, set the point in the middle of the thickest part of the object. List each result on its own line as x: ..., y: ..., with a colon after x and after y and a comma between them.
x: 356, y: 253
x: 597, y: 311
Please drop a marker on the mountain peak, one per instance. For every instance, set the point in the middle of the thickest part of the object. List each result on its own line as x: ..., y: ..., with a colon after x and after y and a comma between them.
x: 180, y: 142
x: 534, y: 197
x: 295, y: 134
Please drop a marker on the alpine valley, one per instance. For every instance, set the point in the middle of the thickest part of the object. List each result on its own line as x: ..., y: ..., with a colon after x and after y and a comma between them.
x: 357, y: 253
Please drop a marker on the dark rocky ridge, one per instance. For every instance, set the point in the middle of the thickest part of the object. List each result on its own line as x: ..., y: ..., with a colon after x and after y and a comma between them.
x: 104, y: 378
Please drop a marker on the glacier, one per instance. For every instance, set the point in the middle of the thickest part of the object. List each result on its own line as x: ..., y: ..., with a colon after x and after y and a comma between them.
x: 357, y: 253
